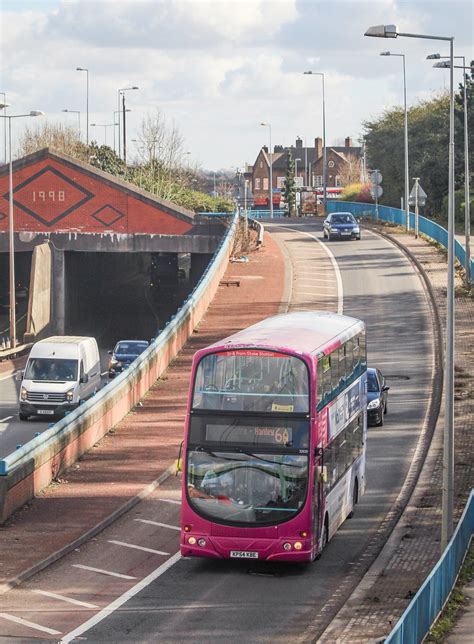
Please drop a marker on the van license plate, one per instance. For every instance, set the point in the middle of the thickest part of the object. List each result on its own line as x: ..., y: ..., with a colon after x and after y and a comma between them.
x: 46, y: 411
x: 243, y: 554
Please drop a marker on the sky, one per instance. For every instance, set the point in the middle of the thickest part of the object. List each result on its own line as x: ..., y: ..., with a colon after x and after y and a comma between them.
x: 217, y: 69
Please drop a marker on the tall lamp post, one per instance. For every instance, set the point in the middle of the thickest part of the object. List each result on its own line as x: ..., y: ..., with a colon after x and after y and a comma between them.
x: 121, y: 93
x: 4, y: 103
x: 11, y: 231
x: 78, y: 119
x: 270, y: 163
x: 105, y: 126
x: 467, y: 204
x: 117, y: 124
x: 391, y: 31
x: 407, y: 188
x: 83, y: 69
x: 310, y: 73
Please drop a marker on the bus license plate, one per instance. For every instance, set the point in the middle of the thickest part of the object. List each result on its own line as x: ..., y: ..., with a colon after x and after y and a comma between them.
x: 45, y: 411
x: 243, y: 554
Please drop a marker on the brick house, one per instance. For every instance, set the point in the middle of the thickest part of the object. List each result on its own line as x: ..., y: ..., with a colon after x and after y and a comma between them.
x: 308, y: 166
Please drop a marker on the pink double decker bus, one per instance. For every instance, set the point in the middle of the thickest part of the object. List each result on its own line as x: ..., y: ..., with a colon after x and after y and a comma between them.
x: 274, y: 450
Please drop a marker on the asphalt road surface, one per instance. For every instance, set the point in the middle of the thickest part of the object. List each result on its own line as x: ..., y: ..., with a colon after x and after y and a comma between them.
x: 130, y: 585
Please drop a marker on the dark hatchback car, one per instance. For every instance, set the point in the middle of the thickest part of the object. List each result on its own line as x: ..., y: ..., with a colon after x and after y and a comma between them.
x: 341, y: 225
x: 125, y: 352
x: 377, y: 397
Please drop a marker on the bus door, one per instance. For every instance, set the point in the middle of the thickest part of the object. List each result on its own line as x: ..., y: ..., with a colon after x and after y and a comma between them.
x: 317, y: 497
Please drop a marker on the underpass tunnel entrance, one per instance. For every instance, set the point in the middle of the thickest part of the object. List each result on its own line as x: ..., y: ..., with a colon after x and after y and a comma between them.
x: 116, y: 296
x: 22, y: 286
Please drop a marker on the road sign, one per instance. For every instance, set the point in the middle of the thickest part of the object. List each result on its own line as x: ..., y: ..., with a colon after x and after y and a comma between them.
x: 421, y: 195
x: 376, y: 192
x: 376, y: 177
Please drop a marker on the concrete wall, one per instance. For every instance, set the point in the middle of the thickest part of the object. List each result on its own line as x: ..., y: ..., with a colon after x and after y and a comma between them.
x: 28, y: 470
x: 39, y: 303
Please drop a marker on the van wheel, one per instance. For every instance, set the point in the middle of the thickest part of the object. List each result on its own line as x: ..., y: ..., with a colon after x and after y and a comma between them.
x: 23, y: 416
x: 355, y: 499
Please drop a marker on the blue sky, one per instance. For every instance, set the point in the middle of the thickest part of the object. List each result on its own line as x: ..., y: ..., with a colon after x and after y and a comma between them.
x: 216, y: 69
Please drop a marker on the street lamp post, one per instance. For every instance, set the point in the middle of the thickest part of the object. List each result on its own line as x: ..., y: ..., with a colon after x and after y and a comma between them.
x: 83, y: 69
x: 4, y: 127
x: 467, y: 204
x: 11, y: 231
x: 310, y: 73
x: 117, y: 124
x: 105, y: 126
x: 391, y: 31
x: 78, y: 119
x: 407, y: 206
x: 270, y: 163
x: 124, y: 127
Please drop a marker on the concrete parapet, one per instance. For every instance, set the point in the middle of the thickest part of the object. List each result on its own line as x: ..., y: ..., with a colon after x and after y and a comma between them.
x: 28, y: 470
x: 39, y: 303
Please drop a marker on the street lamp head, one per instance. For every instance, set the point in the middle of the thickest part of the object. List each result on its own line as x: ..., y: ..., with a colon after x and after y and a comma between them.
x: 444, y: 64
x: 265, y: 124
x: 308, y: 72
x: 4, y: 105
x: 433, y: 56
x: 385, y: 53
x: 382, y: 31
x: 93, y: 124
x: 81, y: 69
x: 36, y: 113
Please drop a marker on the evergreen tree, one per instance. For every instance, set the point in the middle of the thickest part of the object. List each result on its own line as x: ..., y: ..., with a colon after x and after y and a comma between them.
x: 289, y: 189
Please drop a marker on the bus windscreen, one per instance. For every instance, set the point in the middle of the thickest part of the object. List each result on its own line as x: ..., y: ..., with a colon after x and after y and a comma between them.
x: 252, y: 380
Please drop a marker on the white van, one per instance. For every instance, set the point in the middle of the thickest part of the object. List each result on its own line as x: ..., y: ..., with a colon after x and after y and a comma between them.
x: 60, y: 372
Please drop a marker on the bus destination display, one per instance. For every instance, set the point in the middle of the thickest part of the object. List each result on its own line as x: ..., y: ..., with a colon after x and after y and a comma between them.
x: 249, y: 434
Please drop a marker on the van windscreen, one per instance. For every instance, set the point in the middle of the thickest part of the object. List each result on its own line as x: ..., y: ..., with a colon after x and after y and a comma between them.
x: 51, y: 369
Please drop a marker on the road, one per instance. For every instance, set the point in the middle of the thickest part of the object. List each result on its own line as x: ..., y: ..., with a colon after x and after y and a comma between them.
x: 129, y: 581
x: 13, y: 431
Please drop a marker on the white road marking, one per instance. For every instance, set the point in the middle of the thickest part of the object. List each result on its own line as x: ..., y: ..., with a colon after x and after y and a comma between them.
x: 9, y: 375
x: 62, y: 598
x: 25, y: 622
x: 4, y: 420
x: 340, y: 292
x: 160, y: 525
x: 170, y: 501
x: 131, y: 592
x: 103, y: 572
x: 134, y: 547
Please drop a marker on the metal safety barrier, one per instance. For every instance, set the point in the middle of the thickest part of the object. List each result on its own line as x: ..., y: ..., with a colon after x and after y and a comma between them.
x: 426, y: 605
x: 396, y: 216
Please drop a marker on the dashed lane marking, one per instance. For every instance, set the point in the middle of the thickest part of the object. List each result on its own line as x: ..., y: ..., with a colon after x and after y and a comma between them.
x: 103, y: 572
x: 123, y: 599
x: 62, y: 598
x: 4, y: 420
x: 170, y: 501
x: 160, y: 525
x: 134, y: 547
x: 25, y: 622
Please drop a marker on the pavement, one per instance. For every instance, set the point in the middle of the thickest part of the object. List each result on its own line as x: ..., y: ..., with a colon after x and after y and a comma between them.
x: 140, y: 450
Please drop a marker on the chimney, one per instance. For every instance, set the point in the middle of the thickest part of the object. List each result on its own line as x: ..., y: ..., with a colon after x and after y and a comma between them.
x: 348, y: 142
x: 318, y: 146
x: 299, y: 143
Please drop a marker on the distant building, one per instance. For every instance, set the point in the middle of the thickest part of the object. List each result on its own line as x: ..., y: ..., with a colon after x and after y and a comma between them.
x: 308, y: 168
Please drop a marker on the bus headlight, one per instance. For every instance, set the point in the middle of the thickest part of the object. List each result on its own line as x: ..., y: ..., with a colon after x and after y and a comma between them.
x: 201, y: 542
x: 70, y: 395
x: 297, y: 545
x: 373, y: 404
x: 23, y: 394
x: 192, y: 541
x: 287, y: 546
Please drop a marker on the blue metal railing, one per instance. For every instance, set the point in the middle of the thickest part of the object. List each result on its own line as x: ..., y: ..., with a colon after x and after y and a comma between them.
x: 426, y: 605
x: 396, y: 216
x: 265, y: 214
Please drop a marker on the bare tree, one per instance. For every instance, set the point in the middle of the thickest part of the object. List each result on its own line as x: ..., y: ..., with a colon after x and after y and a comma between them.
x: 351, y: 171
x: 56, y: 136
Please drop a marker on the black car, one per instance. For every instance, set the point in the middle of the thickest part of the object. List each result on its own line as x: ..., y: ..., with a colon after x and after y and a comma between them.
x: 377, y: 397
x: 124, y: 354
x: 341, y: 225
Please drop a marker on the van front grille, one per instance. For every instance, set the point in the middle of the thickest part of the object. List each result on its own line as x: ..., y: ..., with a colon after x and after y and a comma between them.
x: 35, y: 396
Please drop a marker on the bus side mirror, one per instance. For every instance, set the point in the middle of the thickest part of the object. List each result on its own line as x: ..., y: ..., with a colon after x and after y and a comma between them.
x: 179, y: 461
x: 322, y: 471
